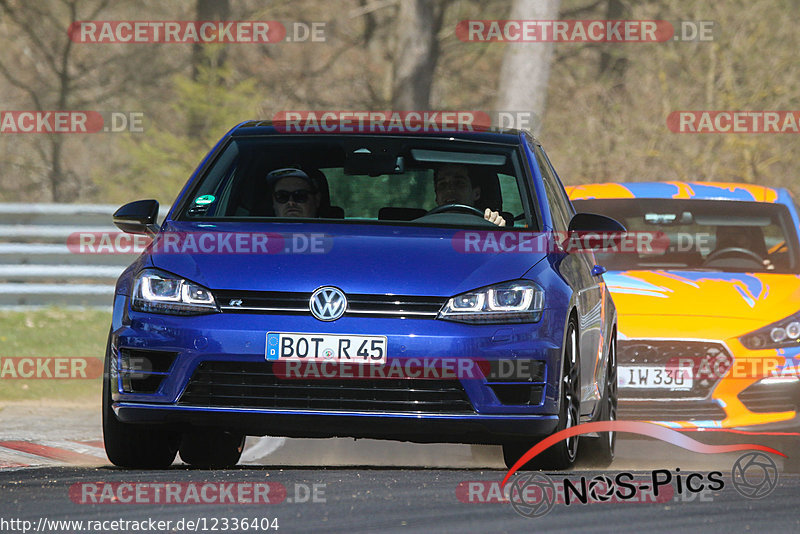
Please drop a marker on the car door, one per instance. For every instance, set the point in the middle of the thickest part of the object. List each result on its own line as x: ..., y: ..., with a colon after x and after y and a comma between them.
x: 576, y: 268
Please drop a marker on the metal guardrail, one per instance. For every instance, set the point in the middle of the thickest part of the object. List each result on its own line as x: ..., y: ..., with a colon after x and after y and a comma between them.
x: 37, y: 268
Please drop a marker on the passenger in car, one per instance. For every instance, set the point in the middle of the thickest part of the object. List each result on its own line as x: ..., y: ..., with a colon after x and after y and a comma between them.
x: 294, y: 193
x: 453, y: 185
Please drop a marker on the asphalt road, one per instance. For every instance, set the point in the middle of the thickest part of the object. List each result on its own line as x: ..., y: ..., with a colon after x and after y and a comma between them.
x: 384, y: 499
x: 361, y: 486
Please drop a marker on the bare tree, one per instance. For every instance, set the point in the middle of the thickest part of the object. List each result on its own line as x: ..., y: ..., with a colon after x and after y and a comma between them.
x: 208, y: 10
x: 56, y: 73
x: 201, y: 57
x: 526, y: 66
x: 417, y: 50
x: 613, y: 59
x: 54, y: 57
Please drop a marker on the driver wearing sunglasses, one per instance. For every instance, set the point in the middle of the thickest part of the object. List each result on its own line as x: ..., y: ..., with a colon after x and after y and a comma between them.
x: 294, y: 193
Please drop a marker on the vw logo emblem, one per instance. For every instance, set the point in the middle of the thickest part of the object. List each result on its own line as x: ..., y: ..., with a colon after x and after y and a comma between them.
x: 327, y: 303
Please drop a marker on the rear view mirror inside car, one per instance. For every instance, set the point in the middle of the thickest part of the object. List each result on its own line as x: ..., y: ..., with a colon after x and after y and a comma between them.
x: 365, y: 162
x: 666, y: 219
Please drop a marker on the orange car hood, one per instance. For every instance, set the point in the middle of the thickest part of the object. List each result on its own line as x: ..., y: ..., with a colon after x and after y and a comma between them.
x: 761, y: 297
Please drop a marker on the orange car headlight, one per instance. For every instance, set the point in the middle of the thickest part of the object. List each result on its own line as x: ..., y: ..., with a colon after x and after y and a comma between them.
x: 780, y: 334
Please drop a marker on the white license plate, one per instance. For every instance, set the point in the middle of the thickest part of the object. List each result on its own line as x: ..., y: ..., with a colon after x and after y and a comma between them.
x: 294, y: 347
x: 655, y: 377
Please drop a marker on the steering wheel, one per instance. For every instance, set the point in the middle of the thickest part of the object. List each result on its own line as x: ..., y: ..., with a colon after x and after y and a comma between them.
x: 463, y: 208
x: 730, y: 251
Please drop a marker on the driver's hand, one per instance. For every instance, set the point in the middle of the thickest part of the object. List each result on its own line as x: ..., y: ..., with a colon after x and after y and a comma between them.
x: 768, y: 265
x: 494, y: 217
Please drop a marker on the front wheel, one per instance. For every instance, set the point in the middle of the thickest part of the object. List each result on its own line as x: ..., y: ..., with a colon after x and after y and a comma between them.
x: 561, y: 455
x: 600, y: 451
x: 135, y: 446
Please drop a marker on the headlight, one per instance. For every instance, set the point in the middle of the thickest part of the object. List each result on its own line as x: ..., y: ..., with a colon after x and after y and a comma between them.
x: 520, y: 301
x: 159, y: 292
x: 784, y: 333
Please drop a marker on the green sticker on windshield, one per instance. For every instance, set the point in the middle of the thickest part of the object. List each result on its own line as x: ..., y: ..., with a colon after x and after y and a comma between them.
x: 204, y: 200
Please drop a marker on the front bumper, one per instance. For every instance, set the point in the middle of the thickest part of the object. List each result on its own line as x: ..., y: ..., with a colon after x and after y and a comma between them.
x: 732, y: 386
x: 429, y: 428
x: 240, y: 339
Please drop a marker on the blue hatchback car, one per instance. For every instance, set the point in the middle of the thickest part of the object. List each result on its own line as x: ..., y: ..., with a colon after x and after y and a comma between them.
x: 367, y: 285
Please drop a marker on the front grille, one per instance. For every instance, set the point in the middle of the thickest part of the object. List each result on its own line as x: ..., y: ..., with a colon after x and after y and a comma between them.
x: 709, y: 361
x: 360, y: 305
x: 670, y: 411
x: 253, y: 385
x: 776, y: 397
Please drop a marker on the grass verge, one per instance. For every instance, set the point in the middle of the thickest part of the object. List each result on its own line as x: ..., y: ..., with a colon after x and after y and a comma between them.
x: 51, y: 332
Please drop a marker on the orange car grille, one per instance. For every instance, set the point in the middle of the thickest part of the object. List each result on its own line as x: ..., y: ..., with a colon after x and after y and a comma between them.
x: 709, y: 361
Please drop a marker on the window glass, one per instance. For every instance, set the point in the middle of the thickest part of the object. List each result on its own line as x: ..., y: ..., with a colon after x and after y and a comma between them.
x: 701, y: 234
x: 560, y: 212
x: 360, y: 179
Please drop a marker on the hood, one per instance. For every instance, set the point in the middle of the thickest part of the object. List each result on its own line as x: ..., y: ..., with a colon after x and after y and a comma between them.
x: 764, y: 297
x: 355, y: 258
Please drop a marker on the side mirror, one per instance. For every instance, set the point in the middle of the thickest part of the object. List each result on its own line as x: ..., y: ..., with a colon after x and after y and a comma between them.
x: 138, y: 217
x: 591, y: 222
x: 589, y: 231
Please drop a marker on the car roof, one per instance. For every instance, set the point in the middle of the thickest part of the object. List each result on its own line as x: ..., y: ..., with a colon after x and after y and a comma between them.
x: 506, y: 136
x: 688, y: 190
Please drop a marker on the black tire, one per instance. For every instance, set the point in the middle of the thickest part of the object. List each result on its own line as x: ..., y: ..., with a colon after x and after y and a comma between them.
x: 215, y: 449
x: 135, y: 446
x: 561, y: 455
x: 600, y: 451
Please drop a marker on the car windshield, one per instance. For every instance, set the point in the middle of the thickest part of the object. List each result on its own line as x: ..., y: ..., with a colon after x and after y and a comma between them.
x: 361, y: 179
x: 716, y: 235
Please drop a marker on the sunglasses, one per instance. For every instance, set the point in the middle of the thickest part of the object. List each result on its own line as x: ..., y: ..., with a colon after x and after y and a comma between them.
x: 299, y: 196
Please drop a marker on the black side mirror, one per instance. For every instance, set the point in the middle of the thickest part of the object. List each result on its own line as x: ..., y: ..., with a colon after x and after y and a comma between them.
x: 591, y: 222
x: 138, y: 217
x: 589, y: 231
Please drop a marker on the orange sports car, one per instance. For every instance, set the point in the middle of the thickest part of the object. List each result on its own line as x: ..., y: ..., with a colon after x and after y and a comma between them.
x: 708, y: 302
